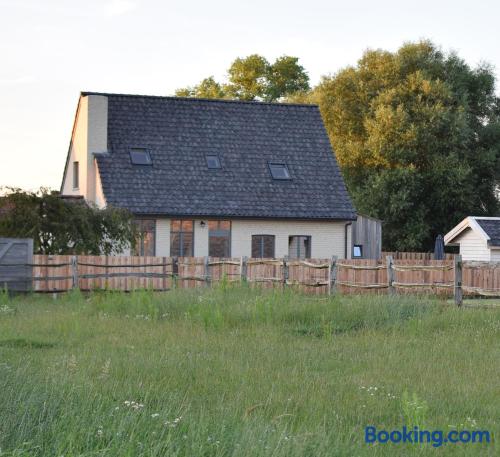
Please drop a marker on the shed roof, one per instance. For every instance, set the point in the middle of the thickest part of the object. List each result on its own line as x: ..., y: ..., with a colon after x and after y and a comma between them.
x: 247, y: 136
x: 486, y: 227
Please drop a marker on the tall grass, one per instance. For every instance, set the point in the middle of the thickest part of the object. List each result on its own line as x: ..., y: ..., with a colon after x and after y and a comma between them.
x: 236, y: 371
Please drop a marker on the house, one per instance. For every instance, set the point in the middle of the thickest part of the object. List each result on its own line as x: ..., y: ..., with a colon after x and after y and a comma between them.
x: 478, y: 238
x: 212, y: 177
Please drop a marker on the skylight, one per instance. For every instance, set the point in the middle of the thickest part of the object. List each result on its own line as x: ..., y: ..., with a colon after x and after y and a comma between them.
x: 279, y: 171
x: 213, y: 161
x: 140, y: 156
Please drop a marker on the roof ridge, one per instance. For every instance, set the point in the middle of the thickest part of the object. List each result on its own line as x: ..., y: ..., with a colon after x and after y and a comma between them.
x: 200, y: 99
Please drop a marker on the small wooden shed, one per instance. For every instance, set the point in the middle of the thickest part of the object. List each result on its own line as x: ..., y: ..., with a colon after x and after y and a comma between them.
x: 366, y: 238
x: 477, y: 237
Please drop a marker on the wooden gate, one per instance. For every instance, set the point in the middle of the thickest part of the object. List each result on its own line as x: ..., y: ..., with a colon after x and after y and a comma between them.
x: 16, y: 258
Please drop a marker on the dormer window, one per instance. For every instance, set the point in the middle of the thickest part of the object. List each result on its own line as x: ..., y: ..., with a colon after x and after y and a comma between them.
x: 140, y: 156
x: 279, y: 171
x: 213, y: 161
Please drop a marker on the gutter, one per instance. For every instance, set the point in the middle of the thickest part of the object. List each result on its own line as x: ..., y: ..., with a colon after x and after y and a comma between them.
x: 345, y: 239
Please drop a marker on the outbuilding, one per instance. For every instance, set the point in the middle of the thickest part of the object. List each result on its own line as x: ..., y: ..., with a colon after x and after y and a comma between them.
x: 478, y: 238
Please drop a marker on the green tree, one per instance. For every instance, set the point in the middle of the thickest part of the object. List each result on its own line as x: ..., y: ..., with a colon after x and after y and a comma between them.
x: 417, y: 135
x: 208, y: 88
x: 59, y: 226
x: 254, y: 78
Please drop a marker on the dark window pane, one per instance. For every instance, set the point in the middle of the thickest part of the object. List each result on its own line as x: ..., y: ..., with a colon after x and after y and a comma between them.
x: 76, y: 175
x: 213, y: 161
x: 187, y: 244
x: 299, y: 247
x: 219, y: 238
x: 175, y: 244
x: 268, y: 246
x: 140, y: 157
x: 256, y: 246
x: 279, y: 171
x: 218, y: 246
x: 263, y: 246
x: 145, y: 237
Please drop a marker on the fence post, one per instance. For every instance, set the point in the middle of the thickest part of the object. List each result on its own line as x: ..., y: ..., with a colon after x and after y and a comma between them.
x: 458, y: 280
x: 390, y: 275
x: 206, y: 271
x: 332, y: 276
x: 74, y: 271
x: 286, y: 272
x: 243, y: 269
x: 175, y: 271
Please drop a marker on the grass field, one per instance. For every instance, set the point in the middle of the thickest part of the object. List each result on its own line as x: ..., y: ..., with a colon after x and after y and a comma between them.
x: 240, y: 372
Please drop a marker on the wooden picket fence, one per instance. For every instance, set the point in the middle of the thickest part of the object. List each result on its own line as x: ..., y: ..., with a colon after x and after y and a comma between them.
x: 316, y: 276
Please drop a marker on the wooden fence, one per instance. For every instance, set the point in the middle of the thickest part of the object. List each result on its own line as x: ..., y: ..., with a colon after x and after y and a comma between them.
x: 61, y: 273
x: 317, y: 276
x: 400, y: 255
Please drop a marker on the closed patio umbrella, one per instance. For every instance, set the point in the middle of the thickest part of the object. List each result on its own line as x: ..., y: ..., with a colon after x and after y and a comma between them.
x: 439, y: 248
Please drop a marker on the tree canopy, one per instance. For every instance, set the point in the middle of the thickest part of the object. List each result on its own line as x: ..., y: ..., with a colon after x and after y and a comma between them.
x: 60, y: 226
x: 254, y: 78
x: 417, y: 135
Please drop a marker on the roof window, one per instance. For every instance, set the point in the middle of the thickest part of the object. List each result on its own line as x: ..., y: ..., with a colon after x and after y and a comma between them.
x: 140, y: 156
x: 279, y: 170
x: 213, y: 161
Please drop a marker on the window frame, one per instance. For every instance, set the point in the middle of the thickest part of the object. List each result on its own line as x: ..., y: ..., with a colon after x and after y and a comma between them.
x: 281, y: 164
x: 140, y: 149
x: 181, y: 237
x: 229, y: 233
x: 360, y: 246
x: 76, y: 175
x: 219, y: 167
x: 141, y: 247
x: 261, y: 246
x: 309, y: 248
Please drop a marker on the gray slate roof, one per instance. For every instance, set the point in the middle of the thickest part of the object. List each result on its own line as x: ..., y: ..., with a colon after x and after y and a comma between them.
x: 246, y: 135
x: 492, y: 229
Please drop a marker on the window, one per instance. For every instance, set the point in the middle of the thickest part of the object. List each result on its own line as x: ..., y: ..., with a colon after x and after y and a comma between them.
x: 213, y: 161
x: 263, y: 246
x: 145, y: 237
x: 140, y: 156
x: 76, y: 175
x: 219, y: 238
x: 279, y: 171
x: 299, y: 247
x: 181, y: 238
x: 357, y: 250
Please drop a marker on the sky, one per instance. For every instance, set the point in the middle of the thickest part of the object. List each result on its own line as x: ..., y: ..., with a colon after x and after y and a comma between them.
x: 51, y: 50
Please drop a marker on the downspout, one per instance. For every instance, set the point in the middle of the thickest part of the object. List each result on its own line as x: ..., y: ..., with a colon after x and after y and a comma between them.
x: 345, y: 239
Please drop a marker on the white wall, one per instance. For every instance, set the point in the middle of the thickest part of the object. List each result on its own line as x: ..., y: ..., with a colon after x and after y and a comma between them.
x: 78, y: 151
x: 90, y: 134
x: 327, y: 238
x: 473, y: 246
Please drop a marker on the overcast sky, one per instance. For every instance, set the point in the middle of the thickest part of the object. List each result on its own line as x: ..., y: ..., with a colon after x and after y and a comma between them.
x: 52, y: 50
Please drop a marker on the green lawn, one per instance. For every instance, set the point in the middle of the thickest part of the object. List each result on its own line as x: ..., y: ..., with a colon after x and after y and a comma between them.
x: 241, y: 372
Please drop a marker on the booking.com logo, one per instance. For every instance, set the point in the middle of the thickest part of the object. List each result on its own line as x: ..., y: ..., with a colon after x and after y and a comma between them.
x: 435, y: 437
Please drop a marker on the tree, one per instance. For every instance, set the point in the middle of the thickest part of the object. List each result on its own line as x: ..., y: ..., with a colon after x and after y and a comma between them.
x: 208, y: 88
x: 254, y: 78
x: 59, y: 226
x: 417, y: 135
